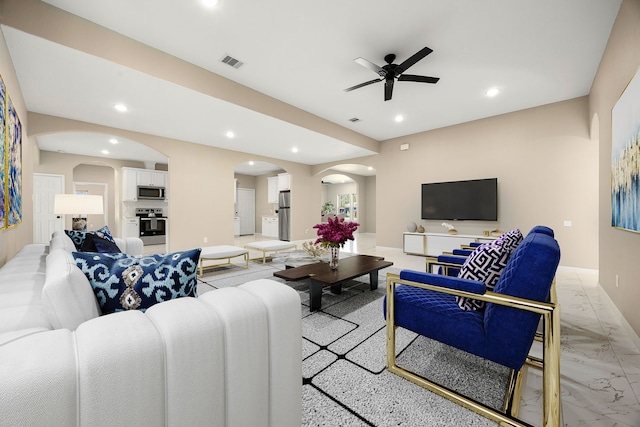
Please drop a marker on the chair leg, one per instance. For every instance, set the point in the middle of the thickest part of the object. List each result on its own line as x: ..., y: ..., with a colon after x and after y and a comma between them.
x: 514, y: 391
x: 551, y: 369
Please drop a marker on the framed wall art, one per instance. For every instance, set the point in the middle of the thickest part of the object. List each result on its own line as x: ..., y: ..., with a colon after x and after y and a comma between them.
x: 3, y: 159
x: 625, y: 158
x: 13, y: 148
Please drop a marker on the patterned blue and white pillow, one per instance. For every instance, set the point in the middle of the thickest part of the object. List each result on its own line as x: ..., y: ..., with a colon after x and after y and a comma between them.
x: 485, y: 264
x: 511, y: 240
x: 123, y: 282
x: 77, y: 236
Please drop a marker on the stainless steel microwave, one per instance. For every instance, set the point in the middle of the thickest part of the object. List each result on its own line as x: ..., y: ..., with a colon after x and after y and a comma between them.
x: 151, y: 193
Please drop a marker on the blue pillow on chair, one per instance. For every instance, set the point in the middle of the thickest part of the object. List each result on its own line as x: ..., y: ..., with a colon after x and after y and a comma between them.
x: 123, y: 282
x: 485, y: 264
x: 511, y: 240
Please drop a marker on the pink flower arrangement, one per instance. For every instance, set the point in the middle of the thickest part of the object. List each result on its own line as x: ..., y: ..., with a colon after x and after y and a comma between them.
x: 335, y: 232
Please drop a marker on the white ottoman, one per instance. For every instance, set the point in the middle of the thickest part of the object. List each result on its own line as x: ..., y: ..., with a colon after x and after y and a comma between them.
x: 223, y: 252
x: 270, y: 246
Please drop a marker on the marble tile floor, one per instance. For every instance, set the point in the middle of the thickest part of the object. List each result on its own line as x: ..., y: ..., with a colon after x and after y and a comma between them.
x: 600, y: 360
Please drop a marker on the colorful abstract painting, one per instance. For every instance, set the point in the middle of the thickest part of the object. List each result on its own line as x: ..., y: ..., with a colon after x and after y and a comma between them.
x: 14, y: 166
x: 625, y: 158
x: 3, y: 159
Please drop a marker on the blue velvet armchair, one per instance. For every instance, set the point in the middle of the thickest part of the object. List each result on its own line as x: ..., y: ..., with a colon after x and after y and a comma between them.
x: 503, y: 332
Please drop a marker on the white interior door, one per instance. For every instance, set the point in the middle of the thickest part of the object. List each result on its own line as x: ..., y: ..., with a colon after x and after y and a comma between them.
x: 246, y: 206
x: 45, y: 222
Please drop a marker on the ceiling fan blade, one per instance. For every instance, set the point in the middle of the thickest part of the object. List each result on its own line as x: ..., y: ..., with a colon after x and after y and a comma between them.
x: 412, y: 60
x: 421, y: 79
x: 373, y: 67
x: 388, y: 89
x: 349, y: 89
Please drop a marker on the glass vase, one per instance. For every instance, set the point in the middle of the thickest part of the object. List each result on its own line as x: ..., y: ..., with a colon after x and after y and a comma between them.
x: 334, y: 257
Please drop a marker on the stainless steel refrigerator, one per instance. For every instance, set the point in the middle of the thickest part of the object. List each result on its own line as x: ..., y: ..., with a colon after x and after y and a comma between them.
x: 284, y: 215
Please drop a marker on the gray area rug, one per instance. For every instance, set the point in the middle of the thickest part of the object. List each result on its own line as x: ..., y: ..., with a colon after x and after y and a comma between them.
x: 345, y: 382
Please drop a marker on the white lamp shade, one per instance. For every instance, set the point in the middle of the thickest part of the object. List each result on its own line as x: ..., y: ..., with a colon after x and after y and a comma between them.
x: 77, y: 204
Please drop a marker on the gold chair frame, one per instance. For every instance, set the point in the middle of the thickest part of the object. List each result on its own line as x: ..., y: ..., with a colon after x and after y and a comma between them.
x: 550, y: 362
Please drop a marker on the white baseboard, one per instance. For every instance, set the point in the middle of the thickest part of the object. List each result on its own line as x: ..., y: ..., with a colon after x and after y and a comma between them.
x: 633, y: 336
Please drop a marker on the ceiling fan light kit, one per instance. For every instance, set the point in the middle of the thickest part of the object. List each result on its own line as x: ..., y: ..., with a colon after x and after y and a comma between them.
x: 390, y: 72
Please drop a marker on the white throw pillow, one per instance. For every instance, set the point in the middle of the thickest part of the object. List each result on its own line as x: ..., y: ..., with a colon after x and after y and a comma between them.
x: 67, y: 297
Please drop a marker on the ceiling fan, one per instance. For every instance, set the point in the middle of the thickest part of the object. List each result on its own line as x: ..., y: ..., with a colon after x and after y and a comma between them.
x: 390, y: 72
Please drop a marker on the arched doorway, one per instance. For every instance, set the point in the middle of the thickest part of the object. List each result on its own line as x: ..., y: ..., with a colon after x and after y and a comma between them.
x: 256, y: 205
x: 93, y: 162
x: 351, y: 189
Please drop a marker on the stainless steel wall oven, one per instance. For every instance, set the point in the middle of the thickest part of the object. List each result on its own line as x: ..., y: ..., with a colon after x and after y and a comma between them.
x: 153, y: 226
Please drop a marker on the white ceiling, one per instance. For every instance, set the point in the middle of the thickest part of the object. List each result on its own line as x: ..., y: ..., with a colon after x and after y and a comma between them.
x: 302, y: 53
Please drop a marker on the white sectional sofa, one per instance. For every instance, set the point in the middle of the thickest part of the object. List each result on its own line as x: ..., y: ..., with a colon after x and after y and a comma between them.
x: 231, y: 357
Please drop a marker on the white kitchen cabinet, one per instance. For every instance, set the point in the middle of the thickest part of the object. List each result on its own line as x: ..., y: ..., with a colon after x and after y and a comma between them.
x: 151, y: 178
x: 133, y: 177
x: 129, y: 185
x: 272, y: 189
x: 269, y: 226
x: 131, y: 227
x: 284, y: 181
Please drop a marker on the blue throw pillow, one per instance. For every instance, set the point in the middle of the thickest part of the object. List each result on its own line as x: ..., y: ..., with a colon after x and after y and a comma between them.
x: 123, y: 282
x: 94, y: 243
x: 78, y: 237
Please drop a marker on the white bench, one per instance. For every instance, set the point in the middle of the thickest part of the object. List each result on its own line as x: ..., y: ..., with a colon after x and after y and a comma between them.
x: 270, y: 246
x: 223, y: 252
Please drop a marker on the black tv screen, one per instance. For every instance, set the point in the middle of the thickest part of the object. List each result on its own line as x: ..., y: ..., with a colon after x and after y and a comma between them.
x: 461, y: 200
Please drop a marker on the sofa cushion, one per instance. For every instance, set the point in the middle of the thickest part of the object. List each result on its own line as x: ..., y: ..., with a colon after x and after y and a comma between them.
x: 122, y: 282
x: 95, y: 243
x: 485, y: 264
x: 61, y: 241
x: 78, y: 236
x: 67, y: 298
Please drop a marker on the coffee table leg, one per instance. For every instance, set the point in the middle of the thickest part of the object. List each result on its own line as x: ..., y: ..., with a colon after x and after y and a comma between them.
x: 373, y: 280
x: 315, y: 294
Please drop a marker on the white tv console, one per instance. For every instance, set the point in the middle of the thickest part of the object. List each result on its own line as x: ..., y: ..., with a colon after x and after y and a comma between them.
x: 434, y: 244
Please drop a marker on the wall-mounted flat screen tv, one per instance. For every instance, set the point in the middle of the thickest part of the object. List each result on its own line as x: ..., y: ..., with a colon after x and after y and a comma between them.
x: 461, y: 200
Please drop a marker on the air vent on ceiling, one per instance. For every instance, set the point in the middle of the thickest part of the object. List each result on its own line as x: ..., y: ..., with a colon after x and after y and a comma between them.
x: 231, y: 61
x: 354, y: 119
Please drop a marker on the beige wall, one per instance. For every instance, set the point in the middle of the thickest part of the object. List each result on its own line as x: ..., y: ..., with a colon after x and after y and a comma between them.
x: 14, y: 238
x: 369, y: 223
x: 544, y: 160
x: 618, y: 248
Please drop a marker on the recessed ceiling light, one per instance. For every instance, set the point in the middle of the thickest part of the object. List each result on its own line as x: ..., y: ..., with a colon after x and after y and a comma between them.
x: 251, y: 163
x: 209, y: 3
x: 492, y: 92
x: 113, y: 141
x: 105, y: 152
x: 399, y: 118
x: 294, y: 150
x: 230, y: 134
x: 370, y: 168
x: 120, y: 107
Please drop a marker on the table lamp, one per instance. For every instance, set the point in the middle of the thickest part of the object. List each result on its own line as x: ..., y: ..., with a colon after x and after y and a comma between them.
x: 77, y: 205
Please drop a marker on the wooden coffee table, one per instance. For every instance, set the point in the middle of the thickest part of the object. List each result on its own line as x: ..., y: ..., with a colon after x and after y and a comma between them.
x: 322, y: 275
